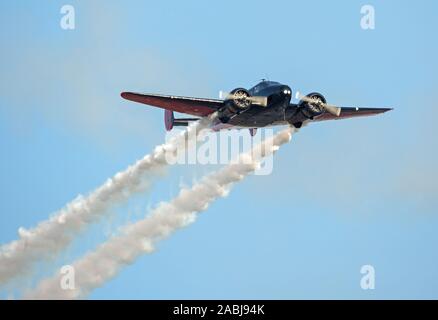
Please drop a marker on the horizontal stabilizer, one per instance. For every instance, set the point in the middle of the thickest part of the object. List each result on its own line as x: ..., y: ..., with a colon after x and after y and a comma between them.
x: 183, y: 122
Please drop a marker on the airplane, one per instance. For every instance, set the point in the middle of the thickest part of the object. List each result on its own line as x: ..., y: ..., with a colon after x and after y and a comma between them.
x: 266, y: 104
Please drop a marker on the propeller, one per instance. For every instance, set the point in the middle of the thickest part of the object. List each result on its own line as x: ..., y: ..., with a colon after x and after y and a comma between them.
x: 257, y: 100
x: 330, y: 108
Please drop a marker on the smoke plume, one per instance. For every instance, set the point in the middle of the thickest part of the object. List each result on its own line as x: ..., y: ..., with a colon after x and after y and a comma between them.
x: 51, y: 236
x: 104, y: 263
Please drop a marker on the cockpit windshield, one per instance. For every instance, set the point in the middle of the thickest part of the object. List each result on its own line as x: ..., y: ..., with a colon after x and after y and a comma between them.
x: 262, y: 85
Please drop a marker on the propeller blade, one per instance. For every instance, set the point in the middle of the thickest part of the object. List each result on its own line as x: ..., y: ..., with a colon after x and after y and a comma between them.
x: 260, y: 101
x: 257, y: 100
x: 304, y: 98
x: 336, y: 111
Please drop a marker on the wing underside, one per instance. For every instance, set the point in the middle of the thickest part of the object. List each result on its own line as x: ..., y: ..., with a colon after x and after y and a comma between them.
x: 194, y: 106
x: 351, y: 113
x: 201, y: 107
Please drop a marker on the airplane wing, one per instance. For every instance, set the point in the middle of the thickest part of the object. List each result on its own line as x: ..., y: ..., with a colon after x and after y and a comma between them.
x: 351, y: 113
x: 193, y: 106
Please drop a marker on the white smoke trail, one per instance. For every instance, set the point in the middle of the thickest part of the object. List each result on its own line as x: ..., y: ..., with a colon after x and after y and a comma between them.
x: 51, y: 236
x: 102, y: 264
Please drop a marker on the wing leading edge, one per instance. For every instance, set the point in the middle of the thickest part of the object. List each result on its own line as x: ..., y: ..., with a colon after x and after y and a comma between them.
x: 194, y: 106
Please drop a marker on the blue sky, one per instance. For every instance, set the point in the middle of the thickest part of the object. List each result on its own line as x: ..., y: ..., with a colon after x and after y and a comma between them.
x: 342, y: 194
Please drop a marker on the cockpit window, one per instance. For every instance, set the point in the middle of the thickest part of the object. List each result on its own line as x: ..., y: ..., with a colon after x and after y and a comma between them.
x: 262, y: 85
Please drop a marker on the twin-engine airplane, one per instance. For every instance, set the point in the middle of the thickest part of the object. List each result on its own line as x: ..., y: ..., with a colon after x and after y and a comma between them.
x: 266, y: 104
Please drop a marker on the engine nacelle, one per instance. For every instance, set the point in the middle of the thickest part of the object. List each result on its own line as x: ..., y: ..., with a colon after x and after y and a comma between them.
x: 237, y: 101
x: 309, y: 109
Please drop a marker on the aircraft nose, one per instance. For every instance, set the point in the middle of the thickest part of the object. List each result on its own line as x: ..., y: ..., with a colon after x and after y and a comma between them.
x: 286, y: 91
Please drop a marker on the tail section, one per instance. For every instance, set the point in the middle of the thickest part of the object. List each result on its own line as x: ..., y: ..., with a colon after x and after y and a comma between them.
x: 170, y: 121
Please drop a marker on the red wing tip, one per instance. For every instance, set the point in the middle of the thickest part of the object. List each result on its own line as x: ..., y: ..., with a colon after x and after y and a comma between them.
x: 125, y: 95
